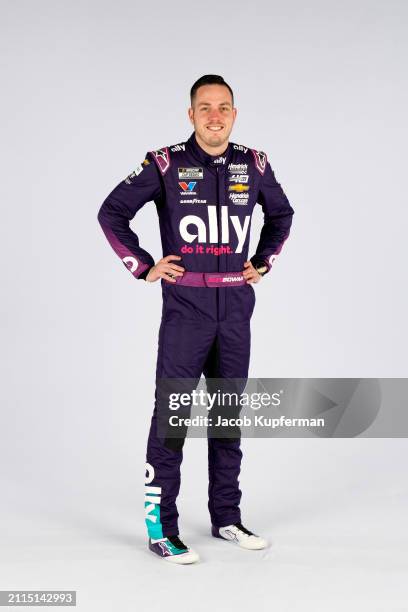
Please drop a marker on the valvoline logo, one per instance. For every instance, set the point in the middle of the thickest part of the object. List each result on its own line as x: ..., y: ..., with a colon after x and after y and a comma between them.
x: 188, y: 187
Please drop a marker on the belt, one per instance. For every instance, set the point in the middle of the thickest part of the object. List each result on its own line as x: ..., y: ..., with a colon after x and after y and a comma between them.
x: 211, y: 279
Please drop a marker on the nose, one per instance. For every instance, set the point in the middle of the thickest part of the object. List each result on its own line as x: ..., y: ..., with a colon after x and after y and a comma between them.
x: 214, y: 115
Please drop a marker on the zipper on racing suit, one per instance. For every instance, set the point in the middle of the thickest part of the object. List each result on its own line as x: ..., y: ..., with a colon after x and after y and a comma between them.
x: 218, y: 259
x: 221, y: 297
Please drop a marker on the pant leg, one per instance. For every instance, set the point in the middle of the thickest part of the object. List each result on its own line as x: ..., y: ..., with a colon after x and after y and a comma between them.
x: 229, y: 358
x: 183, y: 348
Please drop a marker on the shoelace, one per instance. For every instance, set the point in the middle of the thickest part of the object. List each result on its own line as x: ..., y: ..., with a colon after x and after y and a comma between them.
x: 175, y: 540
x: 243, y: 529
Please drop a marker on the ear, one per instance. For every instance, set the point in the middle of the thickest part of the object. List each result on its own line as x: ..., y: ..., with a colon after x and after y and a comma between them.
x: 191, y: 115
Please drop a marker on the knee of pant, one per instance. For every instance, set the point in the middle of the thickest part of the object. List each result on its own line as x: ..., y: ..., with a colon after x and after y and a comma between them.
x: 174, y: 444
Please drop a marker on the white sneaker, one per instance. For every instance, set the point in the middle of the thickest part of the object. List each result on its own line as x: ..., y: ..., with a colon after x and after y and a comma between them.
x: 241, y: 536
x: 173, y: 550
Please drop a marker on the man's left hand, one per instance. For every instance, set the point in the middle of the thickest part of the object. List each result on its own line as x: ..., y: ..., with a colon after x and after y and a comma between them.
x: 250, y: 274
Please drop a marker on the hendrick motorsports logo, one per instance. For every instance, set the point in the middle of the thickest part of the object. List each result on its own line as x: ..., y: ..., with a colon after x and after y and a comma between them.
x: 238, y: 168
x: 190, y: 173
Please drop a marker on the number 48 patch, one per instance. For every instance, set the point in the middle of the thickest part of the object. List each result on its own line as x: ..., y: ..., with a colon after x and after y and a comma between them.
x: 238, y: 178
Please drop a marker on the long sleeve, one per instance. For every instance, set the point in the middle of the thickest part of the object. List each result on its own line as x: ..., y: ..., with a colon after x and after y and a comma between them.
x: 277, y: 219
x: 141, y: 186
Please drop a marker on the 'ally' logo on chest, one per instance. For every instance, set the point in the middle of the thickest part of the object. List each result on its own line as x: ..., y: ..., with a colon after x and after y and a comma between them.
x: 211, y: 232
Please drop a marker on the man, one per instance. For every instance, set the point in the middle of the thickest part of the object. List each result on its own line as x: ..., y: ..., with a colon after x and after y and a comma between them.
x: 204, y: 190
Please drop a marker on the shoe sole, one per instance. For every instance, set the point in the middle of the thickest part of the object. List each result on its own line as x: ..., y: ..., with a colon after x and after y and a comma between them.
x: 177, y: 560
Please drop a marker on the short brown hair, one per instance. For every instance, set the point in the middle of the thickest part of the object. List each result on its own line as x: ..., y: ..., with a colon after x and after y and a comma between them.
x: 209, y: 79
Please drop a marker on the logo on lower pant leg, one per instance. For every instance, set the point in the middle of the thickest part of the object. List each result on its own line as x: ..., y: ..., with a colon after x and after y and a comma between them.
x: 152, y: 505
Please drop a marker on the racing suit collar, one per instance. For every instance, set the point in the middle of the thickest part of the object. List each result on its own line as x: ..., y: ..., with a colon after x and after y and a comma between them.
x: 204, y: 157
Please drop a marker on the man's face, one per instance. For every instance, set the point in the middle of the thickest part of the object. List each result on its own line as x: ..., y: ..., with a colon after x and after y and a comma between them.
x: 213, y: 116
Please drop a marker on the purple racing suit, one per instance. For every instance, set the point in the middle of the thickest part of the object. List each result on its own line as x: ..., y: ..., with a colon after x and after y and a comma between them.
x: 204, y: 204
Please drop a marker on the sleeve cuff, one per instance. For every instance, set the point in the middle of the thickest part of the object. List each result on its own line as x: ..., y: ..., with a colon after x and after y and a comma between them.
x: 144, y: 273
x: 258, y: 261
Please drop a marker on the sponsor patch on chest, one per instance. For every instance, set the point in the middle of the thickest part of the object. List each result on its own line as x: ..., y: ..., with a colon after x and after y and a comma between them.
x: 190, y: 173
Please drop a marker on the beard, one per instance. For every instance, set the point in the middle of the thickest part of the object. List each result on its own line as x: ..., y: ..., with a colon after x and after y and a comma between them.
x: 214, y: 139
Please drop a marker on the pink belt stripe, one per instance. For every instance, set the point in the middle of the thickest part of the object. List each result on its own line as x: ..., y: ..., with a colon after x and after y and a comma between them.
x: 211, y: 279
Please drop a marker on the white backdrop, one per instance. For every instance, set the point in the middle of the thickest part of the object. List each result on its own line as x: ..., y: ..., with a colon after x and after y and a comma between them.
x: 87, y: 88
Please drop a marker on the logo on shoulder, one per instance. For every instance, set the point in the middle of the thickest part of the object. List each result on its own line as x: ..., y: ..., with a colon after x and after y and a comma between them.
x: 260, y: 160
x: 162, y: 159
x: 178, y: 147
x: 240, y: 148
x: 129, y: 179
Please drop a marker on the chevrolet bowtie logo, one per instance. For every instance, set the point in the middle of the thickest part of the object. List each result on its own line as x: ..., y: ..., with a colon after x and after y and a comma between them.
x: 238, y: 187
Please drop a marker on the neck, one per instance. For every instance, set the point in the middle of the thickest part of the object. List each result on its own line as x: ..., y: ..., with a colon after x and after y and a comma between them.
x: 211, y: 150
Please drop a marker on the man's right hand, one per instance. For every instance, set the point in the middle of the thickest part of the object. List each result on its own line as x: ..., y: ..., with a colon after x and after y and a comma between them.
x: 165, y: 269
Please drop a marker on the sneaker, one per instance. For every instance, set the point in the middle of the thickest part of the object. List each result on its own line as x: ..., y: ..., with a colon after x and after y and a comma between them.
x: 173, y: 550
x: 241, y: 536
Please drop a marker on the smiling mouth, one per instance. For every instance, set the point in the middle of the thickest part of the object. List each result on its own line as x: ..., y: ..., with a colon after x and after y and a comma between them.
x: 215, y: 128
